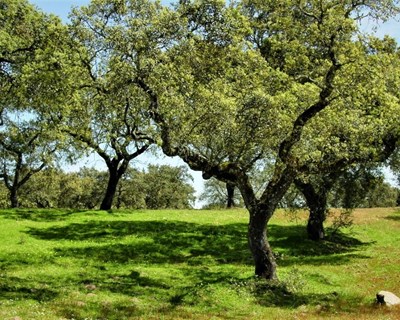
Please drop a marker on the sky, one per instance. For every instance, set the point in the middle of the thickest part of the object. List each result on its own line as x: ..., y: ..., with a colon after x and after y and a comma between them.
x: 62, y: 8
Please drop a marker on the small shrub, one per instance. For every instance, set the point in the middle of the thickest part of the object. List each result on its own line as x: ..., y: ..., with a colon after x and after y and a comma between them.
x: 342, y: 221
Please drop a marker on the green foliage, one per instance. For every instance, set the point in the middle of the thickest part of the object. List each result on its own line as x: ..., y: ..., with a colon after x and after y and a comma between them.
x: 43, y: 190
x: 168, y: 187
x: 362, y: 187
x: 215, y: 195
x: 382, y: 195
x: 4, y: 202
x: 303, y: 91
x: 25, y: 149
x: 159, y: 187
x: 131, y: 191
x: 340, y: 222
x: 32, y: 71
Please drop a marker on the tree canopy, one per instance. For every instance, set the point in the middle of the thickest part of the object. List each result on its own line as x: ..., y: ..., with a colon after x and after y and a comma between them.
x: 28, y: 46
x: 294, y: 84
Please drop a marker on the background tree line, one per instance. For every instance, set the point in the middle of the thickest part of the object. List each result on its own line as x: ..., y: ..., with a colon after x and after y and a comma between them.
x: 351, y: 190
x: 157, y: 187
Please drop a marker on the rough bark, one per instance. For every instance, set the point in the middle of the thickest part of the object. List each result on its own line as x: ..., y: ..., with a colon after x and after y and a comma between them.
x: 315, y: 224
x: 261, y: 211
x: 317, y: 202
x: 264, y: 260
x: 14, y: 198
x: 114, y: 175
x: 108, y: 198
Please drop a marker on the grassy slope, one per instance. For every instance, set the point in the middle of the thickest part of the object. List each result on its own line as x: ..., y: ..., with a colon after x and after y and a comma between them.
x: 190, y: 264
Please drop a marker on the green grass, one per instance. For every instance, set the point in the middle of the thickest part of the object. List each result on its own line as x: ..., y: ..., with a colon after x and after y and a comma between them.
x: 64, y: 264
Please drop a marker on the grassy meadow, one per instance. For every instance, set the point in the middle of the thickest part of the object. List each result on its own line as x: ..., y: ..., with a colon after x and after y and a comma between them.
x: 189, y: 264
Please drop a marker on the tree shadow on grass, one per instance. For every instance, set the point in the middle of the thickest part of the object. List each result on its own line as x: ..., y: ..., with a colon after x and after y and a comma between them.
x: 265, y: 293
x: 160, y: 242
x: 191, y: 244
x: 153, y: 241
x: 278, y: 295
x: 394, y: 217
x: 15, y: 288
x: 38, y: 215
x: 292, y: 246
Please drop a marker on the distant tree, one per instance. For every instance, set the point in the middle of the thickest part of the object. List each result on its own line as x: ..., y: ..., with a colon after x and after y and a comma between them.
x: 25, y: 149
x: 394, y: 164
x: 168, y: 187
x: 93, y: 185
x: 398, y: 198
x: 381, y: 194
x: 352, y: 187
x: 159, y: 187
x: 131, y: 191
x: 72, y: 190
x: 4, y: 198
x: 216, y: 195
x: 43, y: 189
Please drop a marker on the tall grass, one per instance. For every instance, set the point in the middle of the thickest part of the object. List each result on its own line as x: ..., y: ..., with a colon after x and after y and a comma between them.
x: 64, y: 264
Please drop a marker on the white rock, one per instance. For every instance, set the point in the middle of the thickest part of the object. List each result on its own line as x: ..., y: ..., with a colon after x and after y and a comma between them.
x: 390, y: 299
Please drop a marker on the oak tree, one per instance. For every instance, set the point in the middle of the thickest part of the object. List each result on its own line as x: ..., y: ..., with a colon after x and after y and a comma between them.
x: 270, y: 85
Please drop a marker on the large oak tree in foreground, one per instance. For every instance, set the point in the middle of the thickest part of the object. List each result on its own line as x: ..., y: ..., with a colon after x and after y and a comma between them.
x: 278, y: 101
x: 261, y: 84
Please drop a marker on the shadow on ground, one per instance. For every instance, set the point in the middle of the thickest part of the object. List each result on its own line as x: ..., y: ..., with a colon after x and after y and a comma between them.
x: 38, y: 215
x: 159, y: 242
x: 394, y: 217
x: 13, y: 288
x: 267, y: 294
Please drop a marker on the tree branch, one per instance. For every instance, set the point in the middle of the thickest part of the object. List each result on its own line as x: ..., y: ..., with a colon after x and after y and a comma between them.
x: 298, y: 125
x: 90, y: 143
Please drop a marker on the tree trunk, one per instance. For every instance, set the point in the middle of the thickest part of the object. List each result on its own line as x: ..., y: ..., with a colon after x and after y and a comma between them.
x: 14, y: 198
x: 264, y: 260
x: 230, y: 190
x: 115, y: 172
x: 261, y: 211
x: 113, y: 179
x: 317, y: 202
x: 315, y: 224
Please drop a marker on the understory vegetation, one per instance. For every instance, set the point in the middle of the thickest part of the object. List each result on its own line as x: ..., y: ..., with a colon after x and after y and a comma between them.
x: 188, y: 264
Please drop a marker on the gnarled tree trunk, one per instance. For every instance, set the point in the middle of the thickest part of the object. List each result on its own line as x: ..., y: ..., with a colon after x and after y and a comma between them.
x: 14, y: 198
x: 317, y: 202
x: 315, y: 224
x: 113, y: 180
x: 114, y: 175
x: 264, y: 260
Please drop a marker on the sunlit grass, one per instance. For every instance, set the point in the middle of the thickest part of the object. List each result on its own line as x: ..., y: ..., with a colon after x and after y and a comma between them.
x: 189, y: 264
